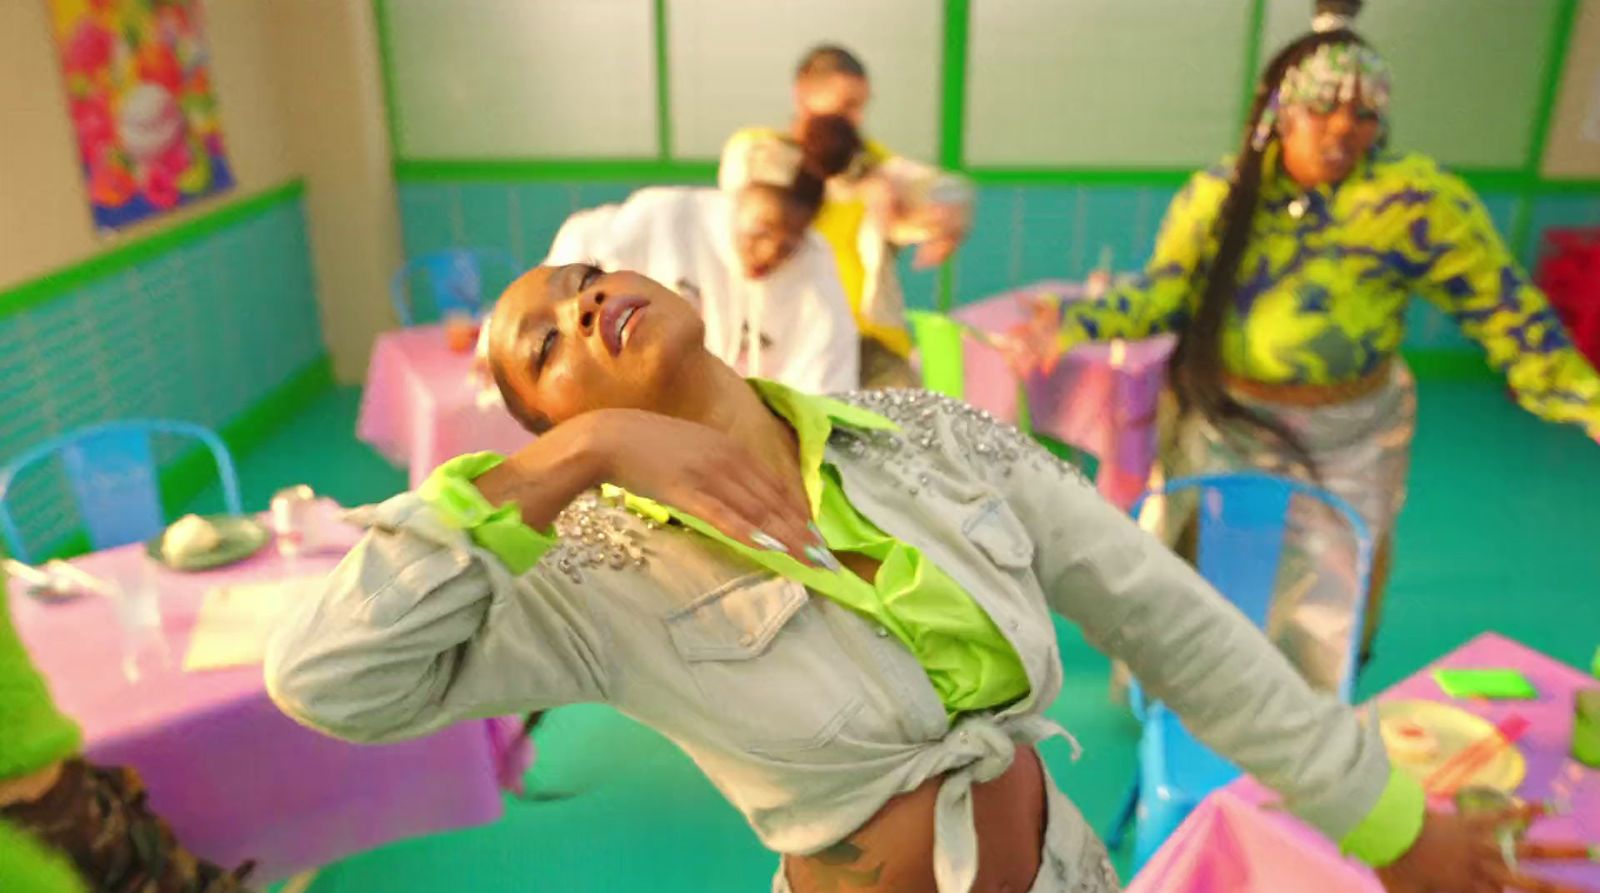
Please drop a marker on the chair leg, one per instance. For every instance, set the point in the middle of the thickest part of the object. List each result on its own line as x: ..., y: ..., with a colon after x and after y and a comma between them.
x: 1125, y: 815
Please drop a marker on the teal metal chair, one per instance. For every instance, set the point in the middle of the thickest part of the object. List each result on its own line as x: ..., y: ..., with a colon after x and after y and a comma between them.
x: 111, y: 472
x: 1242, y: 522
x: 455, y: 280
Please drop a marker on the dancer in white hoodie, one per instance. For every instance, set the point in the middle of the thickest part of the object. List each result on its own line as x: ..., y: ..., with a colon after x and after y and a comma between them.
x: 765, y: 283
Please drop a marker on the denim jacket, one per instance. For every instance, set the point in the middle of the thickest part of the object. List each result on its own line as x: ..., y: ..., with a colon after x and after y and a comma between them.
x: 804, y: 715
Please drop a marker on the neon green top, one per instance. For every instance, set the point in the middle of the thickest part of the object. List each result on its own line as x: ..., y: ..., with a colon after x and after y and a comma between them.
x: 968, y: 660
x: 1325, y: 279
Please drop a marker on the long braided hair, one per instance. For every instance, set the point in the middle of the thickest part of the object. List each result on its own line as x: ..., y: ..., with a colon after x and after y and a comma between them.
x: 1196, y: 366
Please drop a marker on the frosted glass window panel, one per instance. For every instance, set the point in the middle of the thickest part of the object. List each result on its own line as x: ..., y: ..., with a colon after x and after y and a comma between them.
x: 732, y: 65
x: 522, y: 79
x: 1573, y: 149
x: 1466, y: 72
x: 1104, y: 83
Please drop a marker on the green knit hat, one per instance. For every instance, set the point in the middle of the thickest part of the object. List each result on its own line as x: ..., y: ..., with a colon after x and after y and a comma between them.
x: 36, y: 733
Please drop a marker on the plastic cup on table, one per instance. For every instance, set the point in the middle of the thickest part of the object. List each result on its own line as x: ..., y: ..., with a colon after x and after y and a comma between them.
x: 460, y: 331
x: 145, y: 651
x: 1586, y: 727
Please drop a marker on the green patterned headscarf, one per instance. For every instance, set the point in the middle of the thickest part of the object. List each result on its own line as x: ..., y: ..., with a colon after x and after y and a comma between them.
x: 1326, y: 79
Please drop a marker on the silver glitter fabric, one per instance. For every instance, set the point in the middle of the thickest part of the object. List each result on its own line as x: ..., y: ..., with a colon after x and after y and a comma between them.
x: 598, y: 533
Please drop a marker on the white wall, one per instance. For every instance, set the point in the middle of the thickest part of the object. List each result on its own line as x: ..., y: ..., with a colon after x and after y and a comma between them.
x: 732, y: 65
x: 1467, y: 73
x: 520, y: 79
x: 1104, y: 83
x: 1573, y: 149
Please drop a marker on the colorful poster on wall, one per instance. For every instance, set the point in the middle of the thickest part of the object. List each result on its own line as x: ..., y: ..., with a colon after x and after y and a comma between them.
x: 139, y: 91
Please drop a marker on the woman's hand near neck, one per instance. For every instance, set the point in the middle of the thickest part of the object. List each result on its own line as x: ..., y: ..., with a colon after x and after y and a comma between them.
x: 712, y: 449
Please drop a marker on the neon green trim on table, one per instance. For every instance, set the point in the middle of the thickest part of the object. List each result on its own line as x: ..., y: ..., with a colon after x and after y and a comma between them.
x: 138, y: 250
x: 1392, y: 826
x: 460, y: 504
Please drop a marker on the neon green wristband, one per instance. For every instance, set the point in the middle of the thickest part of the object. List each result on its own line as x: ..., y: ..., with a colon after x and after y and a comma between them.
x: 1393, y: 825
x: 450, y: 492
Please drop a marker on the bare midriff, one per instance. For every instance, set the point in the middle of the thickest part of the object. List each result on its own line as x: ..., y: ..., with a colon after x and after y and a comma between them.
x: 893, y: 851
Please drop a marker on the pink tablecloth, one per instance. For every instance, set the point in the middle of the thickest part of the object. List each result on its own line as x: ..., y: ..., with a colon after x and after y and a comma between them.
x: 234, y: 776
x: 1100, y: 398
x: 1232, y: 843
x: 420, y: 405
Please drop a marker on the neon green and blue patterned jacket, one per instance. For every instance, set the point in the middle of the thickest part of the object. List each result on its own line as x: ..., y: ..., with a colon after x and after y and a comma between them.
x: 1324, y: 283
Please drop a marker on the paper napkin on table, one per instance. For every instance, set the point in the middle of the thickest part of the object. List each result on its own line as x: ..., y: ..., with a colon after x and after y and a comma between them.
x: 236, y: 620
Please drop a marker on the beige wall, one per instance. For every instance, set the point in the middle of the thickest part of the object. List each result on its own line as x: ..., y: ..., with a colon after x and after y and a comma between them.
x: 298, y: 85
x: 44, y: 209
x: 1573, y: 149
x: 332, y: 92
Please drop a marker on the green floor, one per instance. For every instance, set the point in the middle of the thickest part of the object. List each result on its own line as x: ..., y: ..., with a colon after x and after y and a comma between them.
x: 1502, y: 533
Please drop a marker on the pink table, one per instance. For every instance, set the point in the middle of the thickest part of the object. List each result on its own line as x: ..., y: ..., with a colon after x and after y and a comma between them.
x: 235, y: 777
x: 420, y: 405
x: 1232, y: 843
x: 1100, y: 398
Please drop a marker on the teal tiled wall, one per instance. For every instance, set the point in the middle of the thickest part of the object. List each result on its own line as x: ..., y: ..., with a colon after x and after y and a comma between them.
x: 1021, y: 234
x: 200, y: 332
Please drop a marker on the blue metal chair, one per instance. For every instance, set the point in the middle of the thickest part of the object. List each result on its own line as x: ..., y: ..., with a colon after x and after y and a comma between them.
x: 456, y: 279
x: 111, y: 470
x: 1241, y: 523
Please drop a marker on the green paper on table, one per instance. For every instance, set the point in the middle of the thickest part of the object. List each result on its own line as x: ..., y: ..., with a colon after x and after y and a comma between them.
x: 1490, y: 684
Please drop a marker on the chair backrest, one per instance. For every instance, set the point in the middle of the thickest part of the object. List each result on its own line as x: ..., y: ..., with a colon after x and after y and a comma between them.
x: 939, y: 348
x: 455, y: 279
x: 1241, y: 523
x: 111, y: 473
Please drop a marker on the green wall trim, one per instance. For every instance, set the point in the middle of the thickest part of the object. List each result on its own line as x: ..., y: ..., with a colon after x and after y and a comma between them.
x: 1449, y: 364
x: 57, y: 282
x: 650, y: 170
x: 1044, y: 176
x: 191, y: 473
x: 953, y: 84
x: 187, y: 476
x: 1555, y: 62
x: 1549, y: 90
x: 1252, y: 60
x: 953, y: 120
x: 1558, y: 187
x: 391, y: 105
x: 555, y: 169
x: 663, y: 86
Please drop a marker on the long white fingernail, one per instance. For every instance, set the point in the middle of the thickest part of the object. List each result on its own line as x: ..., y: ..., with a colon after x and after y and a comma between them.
x: 767, y: 541
x: 824, y: 558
